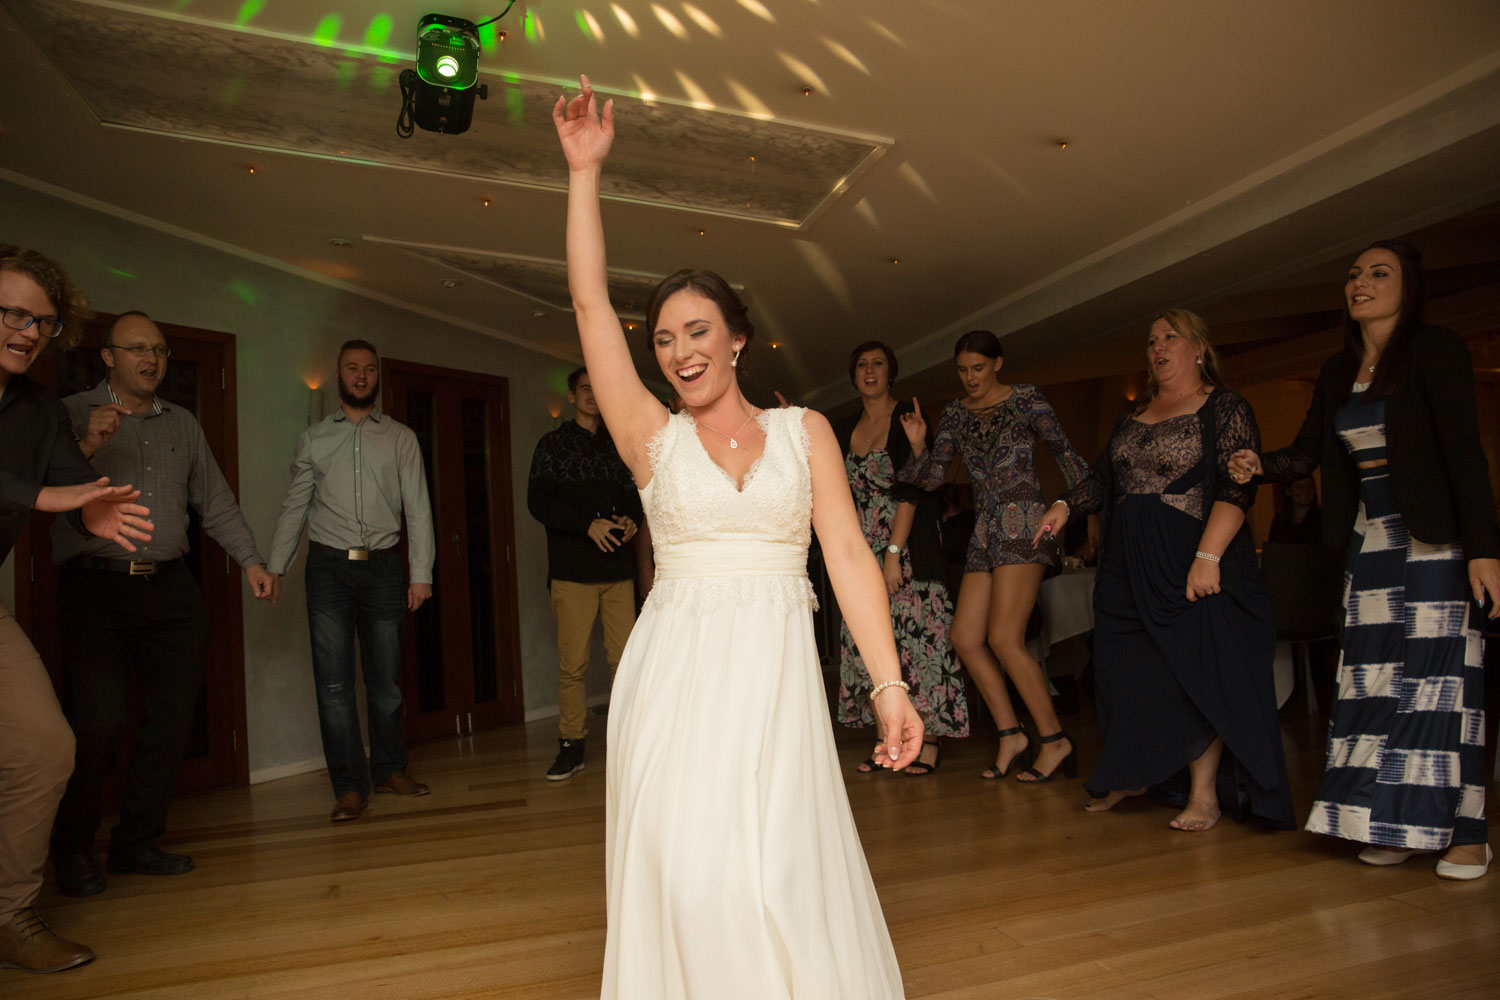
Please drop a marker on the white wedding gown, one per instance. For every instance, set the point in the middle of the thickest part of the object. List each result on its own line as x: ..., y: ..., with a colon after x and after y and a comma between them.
x: 733, y: 866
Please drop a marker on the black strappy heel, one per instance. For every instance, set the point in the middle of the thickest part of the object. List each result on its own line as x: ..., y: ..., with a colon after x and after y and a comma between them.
x: 932, y: 741
x: 1024, y: 758
x: 1068, y: 765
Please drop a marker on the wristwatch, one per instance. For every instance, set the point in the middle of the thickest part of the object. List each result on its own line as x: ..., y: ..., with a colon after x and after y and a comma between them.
x: 893, y: 549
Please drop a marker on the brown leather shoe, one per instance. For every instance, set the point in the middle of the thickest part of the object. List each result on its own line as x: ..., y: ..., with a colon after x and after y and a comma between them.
x: 28, y: 943
x: 401, y: 783
x: 350, y: 805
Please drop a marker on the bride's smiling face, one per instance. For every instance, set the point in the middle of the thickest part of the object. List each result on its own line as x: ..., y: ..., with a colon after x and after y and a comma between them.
x: 694, y: 347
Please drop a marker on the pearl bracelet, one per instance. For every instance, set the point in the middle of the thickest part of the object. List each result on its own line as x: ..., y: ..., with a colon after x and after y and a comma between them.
x: 888, y: 684
x: 1207, y: 555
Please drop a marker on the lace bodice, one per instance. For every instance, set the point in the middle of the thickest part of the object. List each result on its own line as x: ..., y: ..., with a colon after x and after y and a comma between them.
x: 734, y: 538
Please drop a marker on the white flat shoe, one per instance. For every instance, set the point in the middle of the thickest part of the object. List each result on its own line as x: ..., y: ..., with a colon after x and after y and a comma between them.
x: 1373, y: 855
x: 1466, y: 873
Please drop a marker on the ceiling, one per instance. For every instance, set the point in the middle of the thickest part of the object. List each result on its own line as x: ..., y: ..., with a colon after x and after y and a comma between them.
x: 1217, y: 155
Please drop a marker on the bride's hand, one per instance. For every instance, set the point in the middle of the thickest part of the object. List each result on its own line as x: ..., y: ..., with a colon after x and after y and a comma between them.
x: 898, y: 716
x: 585, y: 132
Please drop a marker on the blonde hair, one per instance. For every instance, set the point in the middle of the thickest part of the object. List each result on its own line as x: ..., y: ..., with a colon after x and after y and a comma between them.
x: 1190, y: 325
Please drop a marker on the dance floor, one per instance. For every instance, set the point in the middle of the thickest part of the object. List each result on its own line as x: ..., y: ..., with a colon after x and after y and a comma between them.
x: 493, y: 886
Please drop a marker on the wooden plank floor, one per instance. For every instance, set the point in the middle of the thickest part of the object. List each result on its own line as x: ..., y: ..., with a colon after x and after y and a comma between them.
x: 493, y: 887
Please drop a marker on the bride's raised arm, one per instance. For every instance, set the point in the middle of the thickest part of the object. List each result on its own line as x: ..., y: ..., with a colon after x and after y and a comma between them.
x: 630, y: 411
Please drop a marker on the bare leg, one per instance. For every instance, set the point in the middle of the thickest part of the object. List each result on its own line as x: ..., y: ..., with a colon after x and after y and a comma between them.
x: 1013, y: 591
x: 1202, y: 810
x: 970, y: 629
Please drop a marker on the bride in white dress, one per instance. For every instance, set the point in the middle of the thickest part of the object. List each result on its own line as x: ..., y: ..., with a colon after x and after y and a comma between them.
x: 733, y: 866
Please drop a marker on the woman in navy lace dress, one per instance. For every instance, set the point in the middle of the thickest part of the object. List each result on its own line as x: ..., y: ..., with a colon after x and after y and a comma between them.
x: 1183, y: 640
x: 995, y: 427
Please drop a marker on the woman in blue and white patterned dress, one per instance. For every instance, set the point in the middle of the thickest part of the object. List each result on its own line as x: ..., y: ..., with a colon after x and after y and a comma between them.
x: 1406, y: 488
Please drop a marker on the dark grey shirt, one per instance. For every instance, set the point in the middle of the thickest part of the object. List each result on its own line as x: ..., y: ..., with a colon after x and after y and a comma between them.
x: 165, y: 455
x: 351, y: 483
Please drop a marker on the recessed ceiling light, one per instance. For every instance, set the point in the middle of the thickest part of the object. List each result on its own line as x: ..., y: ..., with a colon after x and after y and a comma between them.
x: 703, y: 232
x: 451, y: 283
x: 807, y: 91
x: 1062, y: 144
x: 340, y: 242
x: 251, y: 169
x: 486, y: 202
x: 539, y: 314
x: 895, y: 260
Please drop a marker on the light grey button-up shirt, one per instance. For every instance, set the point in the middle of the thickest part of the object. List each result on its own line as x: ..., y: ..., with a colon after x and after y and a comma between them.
x: 164, y: 454
x: 350, y: 484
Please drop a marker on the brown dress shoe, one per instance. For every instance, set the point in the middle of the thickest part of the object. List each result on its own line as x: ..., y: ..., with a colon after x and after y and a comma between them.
x: 28, y: 943
x: 401, y: 783
x: 349, y: 806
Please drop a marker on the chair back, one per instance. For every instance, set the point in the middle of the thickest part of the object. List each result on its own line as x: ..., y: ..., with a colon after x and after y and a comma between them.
x: 1306, y: 586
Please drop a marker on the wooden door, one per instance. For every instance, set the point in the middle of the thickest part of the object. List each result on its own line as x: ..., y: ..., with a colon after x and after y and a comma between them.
x: 461, y: 667
x: 200, y: 378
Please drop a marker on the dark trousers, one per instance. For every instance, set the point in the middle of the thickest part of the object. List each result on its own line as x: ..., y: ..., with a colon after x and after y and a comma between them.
x: 113, y: 622
x: 346, y: 597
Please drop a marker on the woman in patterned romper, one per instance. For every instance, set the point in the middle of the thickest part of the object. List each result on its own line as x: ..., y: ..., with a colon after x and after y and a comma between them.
x: 1406, y: 490
x: 995, y: 428
x: 901, y: 525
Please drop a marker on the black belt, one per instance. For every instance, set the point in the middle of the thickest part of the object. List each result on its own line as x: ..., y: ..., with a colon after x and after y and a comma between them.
x: 130, y: 567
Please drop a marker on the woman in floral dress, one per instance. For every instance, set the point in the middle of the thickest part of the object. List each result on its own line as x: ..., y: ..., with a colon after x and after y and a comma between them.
x: 900, y: 522
x: 995, y: 427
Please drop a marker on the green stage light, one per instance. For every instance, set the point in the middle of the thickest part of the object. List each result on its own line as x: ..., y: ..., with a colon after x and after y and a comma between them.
x: 448, y: 51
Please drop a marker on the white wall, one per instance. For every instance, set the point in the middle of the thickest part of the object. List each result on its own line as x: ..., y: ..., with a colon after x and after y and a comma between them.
x: 287, y: 327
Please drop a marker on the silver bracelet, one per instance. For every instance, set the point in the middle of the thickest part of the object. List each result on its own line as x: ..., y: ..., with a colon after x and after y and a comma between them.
x: 1206, y: 555
x: 888, y: 684
x: 1059, y: 500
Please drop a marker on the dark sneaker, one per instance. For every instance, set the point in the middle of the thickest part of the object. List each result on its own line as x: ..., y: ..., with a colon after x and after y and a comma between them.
x: 569, y: 760
x: 149, y: 860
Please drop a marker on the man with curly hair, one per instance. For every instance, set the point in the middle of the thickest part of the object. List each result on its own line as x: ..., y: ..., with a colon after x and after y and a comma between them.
x: 42, y: 469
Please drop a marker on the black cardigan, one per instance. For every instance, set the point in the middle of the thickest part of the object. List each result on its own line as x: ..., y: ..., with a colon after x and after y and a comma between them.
x: 925, y: 541
x: 1439, y: 477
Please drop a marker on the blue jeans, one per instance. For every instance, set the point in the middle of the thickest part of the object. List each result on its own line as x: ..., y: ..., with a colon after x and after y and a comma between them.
x: 346, y: 596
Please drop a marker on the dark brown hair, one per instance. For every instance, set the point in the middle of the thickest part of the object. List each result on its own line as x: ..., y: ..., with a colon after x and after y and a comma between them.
x: 980, y: 342
x: 873, y: 345
x: 71, y: 304
x: 712, y: 287
x: 1396, y: 357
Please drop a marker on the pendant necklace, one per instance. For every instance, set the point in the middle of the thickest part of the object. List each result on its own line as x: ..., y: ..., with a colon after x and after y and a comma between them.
x: 732, y: 442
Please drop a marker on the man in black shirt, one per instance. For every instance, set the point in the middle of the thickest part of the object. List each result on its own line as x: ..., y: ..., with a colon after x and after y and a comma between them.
x: 42, y: 469
x: 584, y: 495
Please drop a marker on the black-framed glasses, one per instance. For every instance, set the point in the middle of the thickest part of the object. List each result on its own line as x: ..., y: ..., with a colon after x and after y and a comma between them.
x: 141, y: 350
x: 19, y: 319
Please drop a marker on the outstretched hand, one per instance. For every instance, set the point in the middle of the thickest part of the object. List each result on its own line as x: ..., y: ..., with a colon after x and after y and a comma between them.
x: 56, y: 499
x: 584, y: 131
x: 118, y: 520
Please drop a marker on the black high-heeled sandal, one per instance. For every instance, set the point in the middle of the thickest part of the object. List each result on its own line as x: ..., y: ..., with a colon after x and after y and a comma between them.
x: 1068, y: 765
x: 919, y: 762
x: 1024, y: 757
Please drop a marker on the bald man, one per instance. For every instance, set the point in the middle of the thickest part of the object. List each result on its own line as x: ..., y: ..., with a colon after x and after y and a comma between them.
x: 137, y: 611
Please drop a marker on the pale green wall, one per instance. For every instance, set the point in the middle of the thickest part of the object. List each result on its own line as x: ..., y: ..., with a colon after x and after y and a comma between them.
x: 292, y: 328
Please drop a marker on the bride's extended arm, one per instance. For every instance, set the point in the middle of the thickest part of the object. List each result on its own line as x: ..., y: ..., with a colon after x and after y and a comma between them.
x: 859, y: 587
x: 630, y: 411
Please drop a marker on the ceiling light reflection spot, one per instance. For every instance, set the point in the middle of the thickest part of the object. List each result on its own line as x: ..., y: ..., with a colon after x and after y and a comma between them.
x: 753, y: 105
x: 703, y: 21
x: 451, y: 283
x: 696, y: 94
x: 866, y: 211
x: 647, y: 94
x: 327, y: 30
x: 885, y: 32
x: 827, y: 270
x: 248, y: 10
x: 596, y: 32
x: 669, y: 21
x: 379, y: 31
x: 909, y: 174
x: 758, y: 9
x: 844, y: 54
x: 626, y: 21
x: 801, y: 71
x: 531, y: 27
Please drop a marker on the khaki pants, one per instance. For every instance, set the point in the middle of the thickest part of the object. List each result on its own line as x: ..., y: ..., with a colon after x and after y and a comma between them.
x: 36, y: 757
x: 576, y: 605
